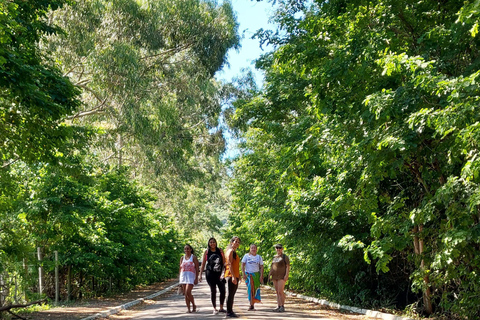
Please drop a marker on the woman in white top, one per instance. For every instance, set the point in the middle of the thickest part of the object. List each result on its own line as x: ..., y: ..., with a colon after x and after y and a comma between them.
x: 189, y: 275
x: 252, y: 269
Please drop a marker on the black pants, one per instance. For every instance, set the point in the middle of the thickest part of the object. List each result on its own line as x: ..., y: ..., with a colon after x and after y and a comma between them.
x: 232, y: 289
x: 213, y: 280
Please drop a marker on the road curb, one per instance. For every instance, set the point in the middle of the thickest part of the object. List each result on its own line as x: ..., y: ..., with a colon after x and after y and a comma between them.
x: 370, y: 313
x: 114, y: 310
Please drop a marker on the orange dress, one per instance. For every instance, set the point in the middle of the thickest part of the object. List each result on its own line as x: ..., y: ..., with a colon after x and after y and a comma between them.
x: 232, y: 267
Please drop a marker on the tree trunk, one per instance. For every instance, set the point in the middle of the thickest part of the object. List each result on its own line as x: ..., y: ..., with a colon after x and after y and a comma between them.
x: 418, y: 244
x: 41, y: 278
x: 80, y: 285
x: 69, y: 282
x: 419, y: 249
x: 119, y: 150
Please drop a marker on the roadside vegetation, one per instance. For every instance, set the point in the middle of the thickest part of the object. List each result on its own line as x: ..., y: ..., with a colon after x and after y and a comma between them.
x: 359, y: 153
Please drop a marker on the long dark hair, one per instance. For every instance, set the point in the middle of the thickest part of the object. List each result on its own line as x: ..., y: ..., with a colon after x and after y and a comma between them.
x: 208, y: 243
x: 233, y: 239
x: 191, y: 248
x: 230, y: 245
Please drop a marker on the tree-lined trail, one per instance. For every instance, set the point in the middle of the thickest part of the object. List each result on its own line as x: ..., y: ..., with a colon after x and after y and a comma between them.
x: 359, y: 152
x: 173, y: 307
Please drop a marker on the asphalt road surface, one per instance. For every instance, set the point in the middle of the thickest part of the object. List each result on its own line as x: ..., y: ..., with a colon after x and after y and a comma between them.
x: 173, y: 307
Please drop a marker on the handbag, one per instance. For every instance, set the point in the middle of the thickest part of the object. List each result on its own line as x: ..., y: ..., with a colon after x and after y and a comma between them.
x: 180, y: 290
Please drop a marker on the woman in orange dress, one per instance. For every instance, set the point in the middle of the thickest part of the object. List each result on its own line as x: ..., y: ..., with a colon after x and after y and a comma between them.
x: 232, y: 274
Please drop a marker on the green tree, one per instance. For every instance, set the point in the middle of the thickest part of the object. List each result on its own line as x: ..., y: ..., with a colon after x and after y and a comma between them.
x: 34, y: 98
x: 103, y: 225
x: 94, y: 176
x: 364, y: 139
x: 34, y: 95
x: 146, y: 70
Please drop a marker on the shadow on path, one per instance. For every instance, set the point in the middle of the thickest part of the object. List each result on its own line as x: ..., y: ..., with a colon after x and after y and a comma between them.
x: 173, y: 307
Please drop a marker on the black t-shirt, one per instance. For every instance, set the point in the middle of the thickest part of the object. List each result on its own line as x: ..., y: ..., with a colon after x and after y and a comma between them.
x: 214, y: 261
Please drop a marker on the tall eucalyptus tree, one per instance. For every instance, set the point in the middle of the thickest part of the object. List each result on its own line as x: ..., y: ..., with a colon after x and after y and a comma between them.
x: 146, y: 69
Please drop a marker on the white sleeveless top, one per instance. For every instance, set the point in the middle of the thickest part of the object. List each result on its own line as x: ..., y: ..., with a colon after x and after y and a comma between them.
x: 187, y: 271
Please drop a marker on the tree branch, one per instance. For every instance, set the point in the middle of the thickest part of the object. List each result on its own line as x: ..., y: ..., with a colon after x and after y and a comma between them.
x: 83, y: 86
x: 95, y: 110
x: 12, y: 306
x: 9, y: 163
x: 176, y: 49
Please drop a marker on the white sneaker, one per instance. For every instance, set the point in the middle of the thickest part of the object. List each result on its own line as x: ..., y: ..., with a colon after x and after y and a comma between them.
x: 215, y: 311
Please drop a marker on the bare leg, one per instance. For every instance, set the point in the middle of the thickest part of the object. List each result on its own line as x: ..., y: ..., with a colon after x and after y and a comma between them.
x: 279, y: 288
x: 189, y: 297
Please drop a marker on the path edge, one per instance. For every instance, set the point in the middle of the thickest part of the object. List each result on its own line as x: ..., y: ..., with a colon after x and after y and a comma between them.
x: 114, y: 310
x: 370, y: 313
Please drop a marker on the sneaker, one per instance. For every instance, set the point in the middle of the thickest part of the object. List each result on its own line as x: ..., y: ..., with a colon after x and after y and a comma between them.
x: 251, y: 308
x: 277, y: 309
x: 215, y: 311
x: 231, y: 315
x: 282, y: 309
x: 222, y: 311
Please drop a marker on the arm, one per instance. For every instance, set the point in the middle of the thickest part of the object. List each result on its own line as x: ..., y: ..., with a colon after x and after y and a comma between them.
x: 270, y: 273
x: 204, y: 262
x: 287, y: 268
x: 227, y: 258
x: 261, y: 273
x: 180, y: 267
x: 224, y: 261
x: 195, y: 261
x: 228, y: 264
x: 243, y: 271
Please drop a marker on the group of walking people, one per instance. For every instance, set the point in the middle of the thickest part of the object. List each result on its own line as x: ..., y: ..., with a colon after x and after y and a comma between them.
x: 224, y: 268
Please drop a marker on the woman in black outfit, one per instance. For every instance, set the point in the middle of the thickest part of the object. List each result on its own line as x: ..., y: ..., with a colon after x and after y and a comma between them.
x: 213, y: 262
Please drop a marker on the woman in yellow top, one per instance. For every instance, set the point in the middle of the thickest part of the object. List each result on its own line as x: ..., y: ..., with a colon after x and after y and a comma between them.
x: 232, y: 274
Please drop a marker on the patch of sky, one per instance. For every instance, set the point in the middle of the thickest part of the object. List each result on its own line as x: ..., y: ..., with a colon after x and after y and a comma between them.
x: 251, y: 15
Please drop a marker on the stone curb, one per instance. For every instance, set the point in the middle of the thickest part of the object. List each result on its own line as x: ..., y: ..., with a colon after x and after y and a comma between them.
x: 114, y: 310
x: 369, y: 313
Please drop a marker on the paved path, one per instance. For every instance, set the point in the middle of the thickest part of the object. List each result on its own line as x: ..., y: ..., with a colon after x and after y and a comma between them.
x: 173, y: 307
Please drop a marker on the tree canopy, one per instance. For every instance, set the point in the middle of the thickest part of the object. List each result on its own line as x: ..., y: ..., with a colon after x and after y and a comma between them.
x: 34, y: 95
x: 146, y: 69
x: 359, y: 153
x: 362, y: 146
x: 110, y: 145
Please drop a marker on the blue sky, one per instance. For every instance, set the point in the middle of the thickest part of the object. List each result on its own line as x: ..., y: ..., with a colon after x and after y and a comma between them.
x: 251, y: 15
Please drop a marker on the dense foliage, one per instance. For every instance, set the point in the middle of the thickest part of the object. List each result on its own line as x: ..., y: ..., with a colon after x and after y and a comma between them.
x: 109, y: 140
x: 103, y: 226
x: 34, y: 95
x: 146, y: 69
x: 361, y: 152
